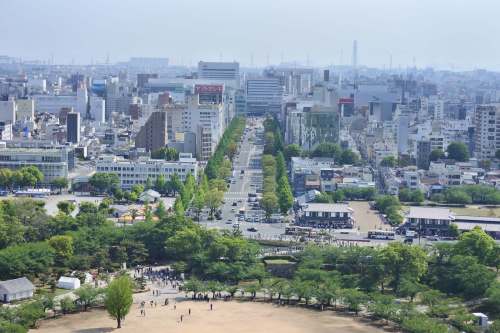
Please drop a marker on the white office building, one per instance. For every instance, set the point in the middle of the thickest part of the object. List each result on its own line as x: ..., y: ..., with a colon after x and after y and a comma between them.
x: 131, y: 172
x: 52, y: 162
x: 264, y: 95
x: 225, y: 71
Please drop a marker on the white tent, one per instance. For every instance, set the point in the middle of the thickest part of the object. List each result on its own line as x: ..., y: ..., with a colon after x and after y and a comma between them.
x: 67, y: 282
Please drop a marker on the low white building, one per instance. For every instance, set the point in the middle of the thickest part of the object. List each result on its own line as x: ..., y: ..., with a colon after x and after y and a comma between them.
x: 68, y: 282
x: 16, y: 289
x: 131, y: 172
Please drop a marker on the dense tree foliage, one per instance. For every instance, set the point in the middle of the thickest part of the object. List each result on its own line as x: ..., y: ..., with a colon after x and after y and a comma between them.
x: 231, y: 137
x: 165, y: 153
x: 458, y: 151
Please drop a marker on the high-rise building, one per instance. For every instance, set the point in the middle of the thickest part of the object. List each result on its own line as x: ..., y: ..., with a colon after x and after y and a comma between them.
x: 487, y: 121
x: 153, y: 134
x: 423, y: 153
x: 73, y: 127
x: 264, y: 95
x: 227, y: 71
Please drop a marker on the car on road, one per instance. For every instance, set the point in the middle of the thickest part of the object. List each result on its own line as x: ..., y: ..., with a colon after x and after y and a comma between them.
x: 252, y: 229
x: 434, y: 238
x: 229, y: 222
x: 234, y: 203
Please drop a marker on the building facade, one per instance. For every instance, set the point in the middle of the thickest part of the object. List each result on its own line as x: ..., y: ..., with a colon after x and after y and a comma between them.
x: 153, y: 134
x: 137, y: 172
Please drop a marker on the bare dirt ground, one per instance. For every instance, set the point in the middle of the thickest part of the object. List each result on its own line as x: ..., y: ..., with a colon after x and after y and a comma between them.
x: 366, y: 219
x: 239, y: 317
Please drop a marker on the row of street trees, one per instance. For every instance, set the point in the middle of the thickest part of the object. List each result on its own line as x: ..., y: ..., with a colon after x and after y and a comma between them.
x: 28, y: 176
x: 276, y: 189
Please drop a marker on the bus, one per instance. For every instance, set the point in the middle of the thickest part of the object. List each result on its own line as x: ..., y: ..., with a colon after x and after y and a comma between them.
x: 381, y: 234
x: 299, y: 231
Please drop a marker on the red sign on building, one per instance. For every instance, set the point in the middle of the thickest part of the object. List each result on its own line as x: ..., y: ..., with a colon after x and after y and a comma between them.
x: 208, y: 88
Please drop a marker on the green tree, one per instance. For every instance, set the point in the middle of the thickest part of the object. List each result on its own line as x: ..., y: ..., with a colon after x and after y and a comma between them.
x: 87, y: 296
x: 199, y: 202
x: 436, y: 154
x: 67, y: 305
x: 6, y: 178
x: 458, y: 151
x: 193, y: 285
x: 269, y: 203
x: 354, y: 298
x: 66, y: 207
x: 389, y: 161
x: 327, y: 150
x: 292, y: 150
x: 60, y: 183
x: 323, y: 198
x: 213, y: 200
x: 285, y: 195
x: 476, y: 243
x: 160, y: 184
x: 423, y: 324
x: 104, y: 182
x: 349, y: 157
x: 62, y: 245
x: 118, y: 298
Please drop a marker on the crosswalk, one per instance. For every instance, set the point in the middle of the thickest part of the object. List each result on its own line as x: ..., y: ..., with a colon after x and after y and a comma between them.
x: 236, y: 193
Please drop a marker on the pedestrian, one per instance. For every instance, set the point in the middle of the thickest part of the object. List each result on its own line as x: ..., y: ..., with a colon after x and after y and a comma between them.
x: 175, y: 307
x: 181, y: 318
x: 211, y: 306
x: 189, y: 311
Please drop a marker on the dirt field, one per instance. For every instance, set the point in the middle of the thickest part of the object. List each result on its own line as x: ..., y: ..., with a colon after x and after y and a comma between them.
x: 366, y: 219
x: 244, y: 317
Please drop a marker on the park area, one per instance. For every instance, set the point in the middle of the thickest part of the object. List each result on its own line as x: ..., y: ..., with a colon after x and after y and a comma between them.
x: 244, y: 317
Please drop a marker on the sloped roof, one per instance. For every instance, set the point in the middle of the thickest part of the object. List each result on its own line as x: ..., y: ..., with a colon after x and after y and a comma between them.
x: 17, y: 285
x: 68, y: 279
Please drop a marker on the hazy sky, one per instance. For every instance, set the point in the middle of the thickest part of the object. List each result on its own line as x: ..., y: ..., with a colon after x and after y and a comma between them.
x: 442, y: 33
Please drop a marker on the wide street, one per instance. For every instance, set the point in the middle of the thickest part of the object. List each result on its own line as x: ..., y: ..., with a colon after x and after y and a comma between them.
x: 246, y: 178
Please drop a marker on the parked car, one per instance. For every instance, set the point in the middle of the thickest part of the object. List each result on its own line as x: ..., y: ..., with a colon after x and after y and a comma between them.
x: 252, y: 229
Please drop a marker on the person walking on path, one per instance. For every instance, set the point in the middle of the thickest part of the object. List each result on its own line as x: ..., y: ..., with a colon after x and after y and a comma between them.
x: 182, y: 318
x: 211, y: 306
x: 189, y: 311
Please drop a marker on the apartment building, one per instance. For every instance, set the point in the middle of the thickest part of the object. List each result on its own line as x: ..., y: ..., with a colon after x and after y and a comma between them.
x: 487, y: 135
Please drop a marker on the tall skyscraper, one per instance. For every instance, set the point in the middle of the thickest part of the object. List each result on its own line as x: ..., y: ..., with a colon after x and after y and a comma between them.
x: 153, y: 134
x: 73, y: 127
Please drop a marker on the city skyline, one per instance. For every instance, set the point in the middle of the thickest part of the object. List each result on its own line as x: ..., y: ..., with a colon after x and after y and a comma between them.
x: 317, y: 33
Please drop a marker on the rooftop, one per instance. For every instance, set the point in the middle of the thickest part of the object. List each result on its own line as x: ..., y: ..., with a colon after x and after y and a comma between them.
x: 17, y: 285
x: 327, y: 207
x: 430, y: 213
